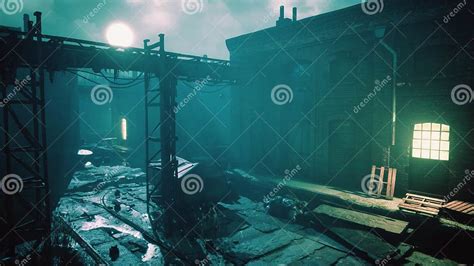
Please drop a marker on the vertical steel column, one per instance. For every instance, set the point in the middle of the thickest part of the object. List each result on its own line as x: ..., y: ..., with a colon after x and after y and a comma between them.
x: 25, y: 151
x: 41, y: 158
x: 169, y: 176
x: 146, y: 77
x: 7, y: 201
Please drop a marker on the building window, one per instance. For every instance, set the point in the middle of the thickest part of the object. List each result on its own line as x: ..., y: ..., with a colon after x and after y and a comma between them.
x: 431, y: 141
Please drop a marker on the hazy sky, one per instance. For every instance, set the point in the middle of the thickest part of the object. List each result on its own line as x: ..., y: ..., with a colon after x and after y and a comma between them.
x: 193, y: 31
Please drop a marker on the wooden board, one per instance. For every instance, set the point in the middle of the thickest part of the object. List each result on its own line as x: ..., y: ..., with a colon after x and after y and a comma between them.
x: 361, y: 240
x: 460, y: 206
x: 370, y: 220
x: 421, y: 204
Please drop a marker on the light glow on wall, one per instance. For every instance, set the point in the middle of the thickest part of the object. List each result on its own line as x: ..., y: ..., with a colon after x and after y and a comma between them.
x: 124, y: 129
x: 431, y: 141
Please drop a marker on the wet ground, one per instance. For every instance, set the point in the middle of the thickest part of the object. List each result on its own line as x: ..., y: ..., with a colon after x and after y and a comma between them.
x: 106, y: 207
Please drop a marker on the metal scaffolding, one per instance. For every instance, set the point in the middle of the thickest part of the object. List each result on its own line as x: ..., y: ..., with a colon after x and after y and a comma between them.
x: 39, y: 53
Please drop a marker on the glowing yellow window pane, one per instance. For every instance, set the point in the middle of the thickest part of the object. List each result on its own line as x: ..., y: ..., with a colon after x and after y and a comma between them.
x: 444, y: 135
x: 425, y: 154
x: 444, y: 145
x: 417, y: 153
x: 444, y: 155
x: 425, y: 144
x: 417, y: 135
x: 434, y: 145
x: 435, y: 155
x: 431, y: 141
x: 435, y: 127
x: 436, y: 135
x: 426, y: 135
x: 416, y: 144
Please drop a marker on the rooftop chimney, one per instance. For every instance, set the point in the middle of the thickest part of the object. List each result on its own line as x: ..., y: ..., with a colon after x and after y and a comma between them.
x: 282, y: 21
x: 295, y: 14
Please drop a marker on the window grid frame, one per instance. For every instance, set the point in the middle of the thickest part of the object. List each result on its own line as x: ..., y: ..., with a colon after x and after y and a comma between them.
x: 425, y: 135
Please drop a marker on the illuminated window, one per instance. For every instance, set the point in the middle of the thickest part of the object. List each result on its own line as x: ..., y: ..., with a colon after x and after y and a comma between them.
x: 431, y: 141
x: 124, y: 129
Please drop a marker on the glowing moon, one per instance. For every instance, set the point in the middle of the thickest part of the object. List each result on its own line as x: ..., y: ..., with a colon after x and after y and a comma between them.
x: 119, y: 34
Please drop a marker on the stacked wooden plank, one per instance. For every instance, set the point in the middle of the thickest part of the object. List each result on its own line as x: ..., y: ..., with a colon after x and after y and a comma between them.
x: 460, y: 206
x: 422, y: 204
x: 356, y: 230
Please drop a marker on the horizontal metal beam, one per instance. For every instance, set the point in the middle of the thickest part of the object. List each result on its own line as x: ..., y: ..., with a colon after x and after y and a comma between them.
x: 59, y: 53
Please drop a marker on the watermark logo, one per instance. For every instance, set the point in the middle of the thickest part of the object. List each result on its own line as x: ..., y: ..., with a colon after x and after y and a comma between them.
x: 462, y: 94
x: 289, y: 174
x: 198, y: 86
x: 11, y: 184
x: 369, y: 185
x: 11, y: 7
x: 379, y: 85
x: 192, y: 7
x: 203, y: 262
x: 19, y: 85
x: 192, y: 184
x: 24, y: 261
x: 282, y: 94
x: 468, y: 174
x: 92, y: 13
x: 454, y: 12
x: 372, y: 7
x: 383, y: 261
x: 101, y: 94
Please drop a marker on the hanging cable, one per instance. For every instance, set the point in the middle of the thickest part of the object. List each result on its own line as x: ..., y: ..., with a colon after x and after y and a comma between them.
x: 203, y: 91
x: 120, y: 84
x: 117, y: 85
x: 98, y: 74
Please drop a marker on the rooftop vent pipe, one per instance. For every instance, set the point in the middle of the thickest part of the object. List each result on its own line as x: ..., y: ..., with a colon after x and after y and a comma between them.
x: 282, y: 21
x: 295, y: 14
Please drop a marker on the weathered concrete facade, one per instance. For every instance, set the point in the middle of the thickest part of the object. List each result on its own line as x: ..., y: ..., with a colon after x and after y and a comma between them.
x: 339, y: 120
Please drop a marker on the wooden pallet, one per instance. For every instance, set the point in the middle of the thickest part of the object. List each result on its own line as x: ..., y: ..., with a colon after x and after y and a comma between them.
x: 422, y: 204
x: 460, y: 206
x: 390, y: 183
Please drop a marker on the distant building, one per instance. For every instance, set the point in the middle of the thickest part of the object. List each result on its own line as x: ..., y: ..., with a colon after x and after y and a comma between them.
x: 337, y: 70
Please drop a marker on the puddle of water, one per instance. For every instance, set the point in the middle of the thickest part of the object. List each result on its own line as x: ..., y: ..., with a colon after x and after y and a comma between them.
x: 101, y: 222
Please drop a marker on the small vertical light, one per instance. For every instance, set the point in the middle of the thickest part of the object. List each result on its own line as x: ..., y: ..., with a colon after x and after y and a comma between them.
x: 124, y: 129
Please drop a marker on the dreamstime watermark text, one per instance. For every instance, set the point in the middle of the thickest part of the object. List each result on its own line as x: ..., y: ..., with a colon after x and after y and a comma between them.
x: 379, y: 85
x: 19, y: 85
x: 289, y: 174
x: 469, y: 174
x: 460, y: 6
x: 93, y: 12
x: 198, y: 86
